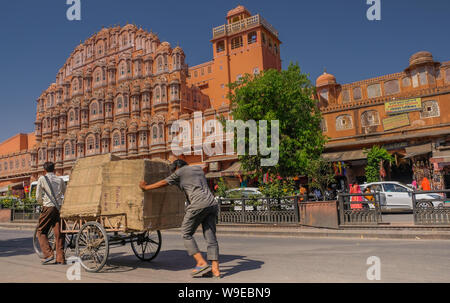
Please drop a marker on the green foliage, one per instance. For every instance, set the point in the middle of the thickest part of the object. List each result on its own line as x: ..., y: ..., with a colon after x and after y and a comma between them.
x: 222, y: 188
x: 10, y: 202
x: 285, y: 96
x: 374, y: 156
x: 278, y: 188
x: 320, y: 174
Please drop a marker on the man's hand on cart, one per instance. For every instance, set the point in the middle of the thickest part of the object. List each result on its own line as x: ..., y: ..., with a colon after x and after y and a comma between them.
x: 145, y: 187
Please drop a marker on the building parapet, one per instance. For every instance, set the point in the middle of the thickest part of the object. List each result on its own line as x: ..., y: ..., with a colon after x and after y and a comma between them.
x: 236, y: 27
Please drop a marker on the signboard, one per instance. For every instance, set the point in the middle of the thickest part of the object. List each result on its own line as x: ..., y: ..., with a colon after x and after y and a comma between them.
x: 393, y: 146
x: 403, y: 106
x: 396, y: 122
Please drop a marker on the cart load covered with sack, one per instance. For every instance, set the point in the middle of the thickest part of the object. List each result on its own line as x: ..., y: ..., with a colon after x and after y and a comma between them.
x: 103, y: 201
x: 107, y: 186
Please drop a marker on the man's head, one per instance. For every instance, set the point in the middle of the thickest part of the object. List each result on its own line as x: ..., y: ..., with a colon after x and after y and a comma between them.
x: 49, y: 167
x: 177, y: 164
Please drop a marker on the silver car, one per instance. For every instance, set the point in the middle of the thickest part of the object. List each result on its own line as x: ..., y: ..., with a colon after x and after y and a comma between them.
x: 395, y: 196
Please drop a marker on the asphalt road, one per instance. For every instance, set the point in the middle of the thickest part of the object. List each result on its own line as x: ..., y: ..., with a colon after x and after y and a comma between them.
x: 246, y: 259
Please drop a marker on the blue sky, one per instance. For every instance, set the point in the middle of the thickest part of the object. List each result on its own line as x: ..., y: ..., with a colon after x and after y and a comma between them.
x: 36, y: 38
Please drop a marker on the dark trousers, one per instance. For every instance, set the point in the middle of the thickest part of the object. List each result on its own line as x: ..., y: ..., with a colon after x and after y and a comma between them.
x: 49, y: 218
x: 207, y: 218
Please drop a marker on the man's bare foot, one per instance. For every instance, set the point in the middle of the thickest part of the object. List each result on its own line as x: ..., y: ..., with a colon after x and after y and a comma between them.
x: 215, y: 269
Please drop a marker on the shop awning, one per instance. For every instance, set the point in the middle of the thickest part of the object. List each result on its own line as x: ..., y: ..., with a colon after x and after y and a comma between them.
x: 232, y: 170
x: 213, y: 175
x: 12, y: 185
x: 345, y: 156
x: 418, y: 150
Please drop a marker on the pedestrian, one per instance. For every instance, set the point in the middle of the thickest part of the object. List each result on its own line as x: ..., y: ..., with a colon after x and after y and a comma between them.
x: 356, y: 189
x: 202, y: 209
x: 49, y: 193
x: 303, y: 193
x: 425, y: 184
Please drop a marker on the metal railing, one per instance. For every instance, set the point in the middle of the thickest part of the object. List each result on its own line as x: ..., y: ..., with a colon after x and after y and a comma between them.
x: 357, y: 209
x: 431, y: 211
x: 259, y: 210
x: 25, y: 212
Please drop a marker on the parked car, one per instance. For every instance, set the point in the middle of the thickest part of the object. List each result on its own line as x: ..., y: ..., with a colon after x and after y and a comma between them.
x: 250, y: 193
x: 395, y: 196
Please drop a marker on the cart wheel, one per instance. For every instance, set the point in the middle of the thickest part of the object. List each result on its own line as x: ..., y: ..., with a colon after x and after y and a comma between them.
x: 92, y: 246
x: 37, y: 246
x: 69, y: 245
x: 146, y: 246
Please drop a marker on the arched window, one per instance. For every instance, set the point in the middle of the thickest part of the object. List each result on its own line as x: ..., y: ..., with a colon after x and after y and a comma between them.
x: 370, y: 118
x: 98, y: 76
x: 119, y: 102
x: 161, y: 131
x: 124, y: 39
x: 90, y: 143
x: 116, y: 140
x: 160, y: 64
x: 71, y: 116
x: 344, y: 122
x: 67, y: 149
x: 155, y: 133
x: 157, y: 94
x: 75, y: 85
x: 94, y: 108
x: 122, y: 68
x: 163, y: 93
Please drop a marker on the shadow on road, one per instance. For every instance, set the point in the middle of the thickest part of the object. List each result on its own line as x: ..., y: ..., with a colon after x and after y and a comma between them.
x: 16, y: 247
x: 178, y: 260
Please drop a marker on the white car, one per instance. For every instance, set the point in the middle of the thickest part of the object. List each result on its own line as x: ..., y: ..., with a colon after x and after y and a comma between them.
x: 397, y: 196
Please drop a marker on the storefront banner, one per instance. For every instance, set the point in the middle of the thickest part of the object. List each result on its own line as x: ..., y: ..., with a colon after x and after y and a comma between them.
x: 396, y: 122
x: 403, y: 106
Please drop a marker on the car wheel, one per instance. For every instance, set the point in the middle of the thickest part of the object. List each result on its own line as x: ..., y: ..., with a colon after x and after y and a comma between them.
x: 424, y: 204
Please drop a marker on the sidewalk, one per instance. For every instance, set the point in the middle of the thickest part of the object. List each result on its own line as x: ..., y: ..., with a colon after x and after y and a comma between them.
x: 380, y: 232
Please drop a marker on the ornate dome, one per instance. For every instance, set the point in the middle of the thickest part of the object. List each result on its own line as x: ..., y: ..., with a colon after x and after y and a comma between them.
x: 325, y: 79
x: 235, y: 11
x: 421, y: 57
x: 128, y: 27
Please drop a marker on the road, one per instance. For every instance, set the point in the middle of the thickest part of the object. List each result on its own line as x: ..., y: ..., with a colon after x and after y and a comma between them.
x: 246, y: 259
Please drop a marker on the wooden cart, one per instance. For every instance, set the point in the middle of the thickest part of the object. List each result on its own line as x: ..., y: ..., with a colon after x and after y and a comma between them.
x: 90, y: 239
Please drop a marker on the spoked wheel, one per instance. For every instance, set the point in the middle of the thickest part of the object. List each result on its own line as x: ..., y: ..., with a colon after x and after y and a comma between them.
x: 37, y: 246
x: 92, y: 246
x: 146, y: 246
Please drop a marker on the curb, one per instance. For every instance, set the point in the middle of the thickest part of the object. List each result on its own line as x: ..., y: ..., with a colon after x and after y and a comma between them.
x: 302, y: 232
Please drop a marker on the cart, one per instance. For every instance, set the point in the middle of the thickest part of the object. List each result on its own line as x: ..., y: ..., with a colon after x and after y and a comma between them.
x: 90, y: 239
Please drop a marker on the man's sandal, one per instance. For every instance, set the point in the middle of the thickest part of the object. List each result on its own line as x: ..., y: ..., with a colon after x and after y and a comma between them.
x: 200, y: 270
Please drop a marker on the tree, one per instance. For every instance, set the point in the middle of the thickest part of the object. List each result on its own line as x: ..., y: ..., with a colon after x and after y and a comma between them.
x: 374, y: 157
x: 320, y: 174
x: 286, y: 96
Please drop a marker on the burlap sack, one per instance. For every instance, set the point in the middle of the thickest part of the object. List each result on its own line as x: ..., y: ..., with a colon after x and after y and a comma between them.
x: 106, y: 186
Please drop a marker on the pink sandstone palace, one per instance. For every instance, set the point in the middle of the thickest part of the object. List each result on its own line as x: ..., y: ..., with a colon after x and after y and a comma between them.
x: 121, y: 90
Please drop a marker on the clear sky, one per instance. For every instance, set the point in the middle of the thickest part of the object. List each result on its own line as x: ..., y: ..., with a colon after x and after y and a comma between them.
x: 36, y: 38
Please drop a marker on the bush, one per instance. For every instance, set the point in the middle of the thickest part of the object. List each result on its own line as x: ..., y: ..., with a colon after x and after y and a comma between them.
x: 278, y: 188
